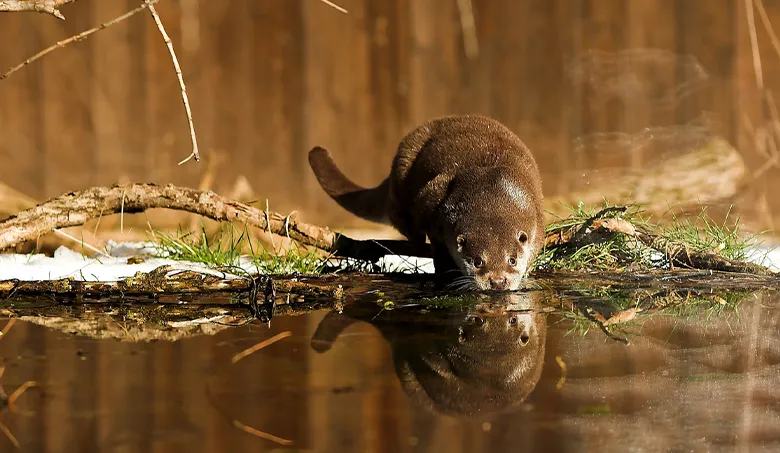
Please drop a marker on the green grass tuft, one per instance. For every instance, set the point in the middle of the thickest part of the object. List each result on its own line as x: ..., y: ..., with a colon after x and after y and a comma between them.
x: 622, y: 252
x: 616, y: 253
x: 705, y: 235
x: 228, y: 249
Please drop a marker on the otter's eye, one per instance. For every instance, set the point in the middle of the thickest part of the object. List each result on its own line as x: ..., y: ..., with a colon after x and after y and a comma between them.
x: 522, y: 237
x: 478, y: 262
x: 513, y: 320
x: 512, y: 261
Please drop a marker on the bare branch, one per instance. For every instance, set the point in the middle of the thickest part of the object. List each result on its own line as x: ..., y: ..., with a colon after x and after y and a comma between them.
x: 75, y: 38
x: 38, y: 6
x: 76, y: 208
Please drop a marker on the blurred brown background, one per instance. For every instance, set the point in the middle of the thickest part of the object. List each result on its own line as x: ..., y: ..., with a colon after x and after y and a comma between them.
x: 595, y: 88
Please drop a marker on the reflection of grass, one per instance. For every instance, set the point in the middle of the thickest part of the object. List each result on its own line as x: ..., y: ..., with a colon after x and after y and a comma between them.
x: 621, y: 252
x: 452, y: 301
x: 227, y: 248
x: 587, y: 304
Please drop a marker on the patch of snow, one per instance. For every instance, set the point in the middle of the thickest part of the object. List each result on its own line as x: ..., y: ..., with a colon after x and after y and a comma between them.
x: 67, y: 263
x: 767, y: 255
x: 402, y: 263
x: 113, y: 265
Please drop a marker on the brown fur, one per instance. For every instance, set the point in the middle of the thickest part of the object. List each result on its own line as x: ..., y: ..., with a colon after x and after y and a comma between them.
x: 469, y: 185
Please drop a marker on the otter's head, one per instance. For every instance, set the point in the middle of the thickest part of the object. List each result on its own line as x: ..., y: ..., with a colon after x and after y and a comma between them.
x: 493, y: 228
x: 498, y: 259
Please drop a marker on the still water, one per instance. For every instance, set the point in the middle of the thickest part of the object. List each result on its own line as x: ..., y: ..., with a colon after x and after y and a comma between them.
x: 525, y: 372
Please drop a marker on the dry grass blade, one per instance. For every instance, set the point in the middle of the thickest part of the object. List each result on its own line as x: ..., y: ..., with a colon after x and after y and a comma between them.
x: 759, y: 73
x: 262, y: 434
x: 468, y: 29
x: 78, y: 37
x: 259, y: 346
x: 81, y: 241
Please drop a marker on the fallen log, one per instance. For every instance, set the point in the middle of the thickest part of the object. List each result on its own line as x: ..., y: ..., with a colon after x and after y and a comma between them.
x: 77, y: 208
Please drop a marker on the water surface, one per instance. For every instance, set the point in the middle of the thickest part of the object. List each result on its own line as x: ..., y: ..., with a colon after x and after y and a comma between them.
x: 526, y: 372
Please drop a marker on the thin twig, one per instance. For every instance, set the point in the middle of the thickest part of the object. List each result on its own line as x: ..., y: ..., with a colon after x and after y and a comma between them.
x: 334, y: 6
x: 194, y: 154
x: 260, y: 346
x: 78, y: 37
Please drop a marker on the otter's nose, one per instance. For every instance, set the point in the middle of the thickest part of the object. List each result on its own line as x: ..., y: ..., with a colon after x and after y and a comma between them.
x: 499, y: 283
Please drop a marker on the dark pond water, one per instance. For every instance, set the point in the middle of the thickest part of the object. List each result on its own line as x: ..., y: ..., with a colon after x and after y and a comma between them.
x: 527, y: 372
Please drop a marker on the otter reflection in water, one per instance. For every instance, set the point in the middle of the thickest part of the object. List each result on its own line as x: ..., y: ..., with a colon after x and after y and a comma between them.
x: 472, y: 362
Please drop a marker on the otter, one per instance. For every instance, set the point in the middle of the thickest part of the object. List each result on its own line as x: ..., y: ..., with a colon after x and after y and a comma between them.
x: 476, y: 363
x: 469, y: 185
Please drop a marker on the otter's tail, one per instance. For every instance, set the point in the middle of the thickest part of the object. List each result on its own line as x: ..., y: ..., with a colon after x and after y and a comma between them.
x: 369, y: 204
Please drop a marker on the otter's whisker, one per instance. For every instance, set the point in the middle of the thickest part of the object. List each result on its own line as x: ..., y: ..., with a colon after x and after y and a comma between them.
x: 464, y: 282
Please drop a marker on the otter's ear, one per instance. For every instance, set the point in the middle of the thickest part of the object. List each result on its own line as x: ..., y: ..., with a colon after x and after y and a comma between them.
x: 460, y: 240
x: 522, y: 237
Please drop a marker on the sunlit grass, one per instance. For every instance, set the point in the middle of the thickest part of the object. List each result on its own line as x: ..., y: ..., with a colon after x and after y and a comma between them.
x: 622, y: 252
x: 232, y: 248
x: 703, y: 234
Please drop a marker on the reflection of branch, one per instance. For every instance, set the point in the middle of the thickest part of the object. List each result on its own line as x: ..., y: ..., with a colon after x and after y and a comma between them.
x: 259, y: 346
x: 5, y: 330
x: 241, y: 426
x: 75, y: 38
x: 261, y: 434
x: 9, y: 435
x: 589, y: 314
x: 39, y: 6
